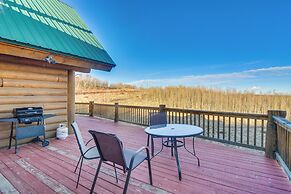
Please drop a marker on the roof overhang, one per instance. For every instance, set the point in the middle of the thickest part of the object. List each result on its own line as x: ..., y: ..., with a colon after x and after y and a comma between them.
x: 27, y: 55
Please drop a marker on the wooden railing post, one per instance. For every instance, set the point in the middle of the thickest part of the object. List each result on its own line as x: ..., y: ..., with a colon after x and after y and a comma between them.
x: 162, y: 108
x: 271, y: 133
x: 91, y: 108
x: 116, y: 117
x: 71, y: 99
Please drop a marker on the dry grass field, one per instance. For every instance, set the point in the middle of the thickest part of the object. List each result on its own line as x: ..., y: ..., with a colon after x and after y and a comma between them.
x: 183, y: 97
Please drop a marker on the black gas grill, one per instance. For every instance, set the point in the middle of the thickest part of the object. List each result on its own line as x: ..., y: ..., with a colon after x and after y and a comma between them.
x: 29, y: 115
x: 30, y: 123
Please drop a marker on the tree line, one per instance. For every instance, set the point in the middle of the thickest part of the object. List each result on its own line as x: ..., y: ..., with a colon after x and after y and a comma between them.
x: 199, y: 98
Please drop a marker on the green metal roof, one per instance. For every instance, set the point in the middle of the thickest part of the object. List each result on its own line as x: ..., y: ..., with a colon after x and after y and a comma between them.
x: 49, y: 25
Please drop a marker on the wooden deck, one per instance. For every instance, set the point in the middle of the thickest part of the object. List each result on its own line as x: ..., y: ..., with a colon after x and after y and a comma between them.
x: 224, y: 169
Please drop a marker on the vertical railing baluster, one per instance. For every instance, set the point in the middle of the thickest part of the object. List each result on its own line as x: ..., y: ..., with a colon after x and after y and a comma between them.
x: 229, y: 126
x: 128, y: 114
x: 203, y: 124
x: 208, y: 125
x: 131, y: 115
x: 223, y: 128
x: 218, y: 123
x: 140, y: 116
x: 255, y: 133
x: 213, y: 118
x: 134, y: 115
x: 191, y: 119
x: 137, y: 115
x: 143, y: 117
x: 241, y: 130
x: 148, y: 117
x: 235, y: 128
x: 199, y: 120
x: 262, y: 134
x: 248, y: 132
x: 173, y: 117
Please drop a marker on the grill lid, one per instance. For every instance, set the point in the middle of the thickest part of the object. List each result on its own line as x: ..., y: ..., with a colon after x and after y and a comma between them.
x: 28, y: 112
x: 29, y: 115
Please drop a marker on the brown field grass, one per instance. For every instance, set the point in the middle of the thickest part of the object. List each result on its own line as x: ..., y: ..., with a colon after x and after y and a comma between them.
x: 186, y: 97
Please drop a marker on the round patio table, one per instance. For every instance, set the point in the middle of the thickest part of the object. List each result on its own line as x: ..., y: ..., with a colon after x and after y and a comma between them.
x: 172, y: 132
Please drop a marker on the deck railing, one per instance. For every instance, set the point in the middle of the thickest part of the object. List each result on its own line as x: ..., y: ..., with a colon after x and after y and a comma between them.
x: 247, y: 130
x: 242, y: 129
x: 270, y: 132
x: 283, y: 151
x: 82, y: 108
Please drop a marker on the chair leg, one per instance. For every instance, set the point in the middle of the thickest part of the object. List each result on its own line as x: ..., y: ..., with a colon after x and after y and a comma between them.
x: 16, y: 148
x: 96, y: 175
x: 11, y: 135
x: 115, y: 173
x: 79, y: 172
x: 77, y: 164
x: 152, y: 147
x: 172, y: 153
x: 127, y: 181
x: 150, y: 170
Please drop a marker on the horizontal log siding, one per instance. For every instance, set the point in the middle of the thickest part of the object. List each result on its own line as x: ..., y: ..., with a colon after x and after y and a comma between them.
x: 26, y: 86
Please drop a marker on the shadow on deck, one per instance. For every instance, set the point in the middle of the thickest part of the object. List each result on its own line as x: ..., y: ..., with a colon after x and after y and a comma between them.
x: 224, y: 169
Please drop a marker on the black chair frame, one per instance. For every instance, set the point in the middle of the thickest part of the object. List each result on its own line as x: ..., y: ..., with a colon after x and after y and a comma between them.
x: 124, y: 168
x: 83, y: 155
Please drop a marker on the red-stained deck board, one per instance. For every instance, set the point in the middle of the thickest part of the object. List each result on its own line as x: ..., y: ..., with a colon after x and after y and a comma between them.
x: 224, y: 169
x: 104, y: 182
x: 25, y: 176
x: 18, y: 183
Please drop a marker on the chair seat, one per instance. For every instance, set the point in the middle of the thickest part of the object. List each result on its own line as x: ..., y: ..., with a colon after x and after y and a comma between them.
x: 138, y: 159
x: 92, y: 153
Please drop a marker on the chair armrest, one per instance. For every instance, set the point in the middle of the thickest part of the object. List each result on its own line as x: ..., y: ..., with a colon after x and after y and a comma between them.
x: 88, y: 142
x: 136, y: 153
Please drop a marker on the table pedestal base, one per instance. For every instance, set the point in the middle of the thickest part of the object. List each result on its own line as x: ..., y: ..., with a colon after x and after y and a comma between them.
x: 174, y: 144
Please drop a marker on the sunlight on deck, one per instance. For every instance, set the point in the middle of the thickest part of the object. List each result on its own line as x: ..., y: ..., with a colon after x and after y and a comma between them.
x: 224, y: 169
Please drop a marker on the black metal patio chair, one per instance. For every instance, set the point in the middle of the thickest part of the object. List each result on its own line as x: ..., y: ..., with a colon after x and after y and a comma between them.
x: 156, y: 120
x: 113, y: 153
x: 88, y: 153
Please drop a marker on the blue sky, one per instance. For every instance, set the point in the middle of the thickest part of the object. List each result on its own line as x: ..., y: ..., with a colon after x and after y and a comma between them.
x: 242, y: 44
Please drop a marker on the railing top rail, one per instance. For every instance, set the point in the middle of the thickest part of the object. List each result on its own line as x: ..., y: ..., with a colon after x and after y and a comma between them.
x: 219, y: 113
x: 215, y: 113
x: 82, y: 103
x: 141, y: 107
x: 111, y: 105
x: 283, y: 123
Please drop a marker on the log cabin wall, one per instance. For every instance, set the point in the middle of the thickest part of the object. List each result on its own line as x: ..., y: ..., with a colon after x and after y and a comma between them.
x: 25, y: 86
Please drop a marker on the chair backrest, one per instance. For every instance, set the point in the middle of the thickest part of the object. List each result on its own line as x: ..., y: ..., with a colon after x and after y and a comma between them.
x: 158, y: 119
x: 79, y: 138
x: 110, y: 147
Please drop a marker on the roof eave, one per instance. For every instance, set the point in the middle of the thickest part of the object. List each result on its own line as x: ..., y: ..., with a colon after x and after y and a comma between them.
x: 19, y: 49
